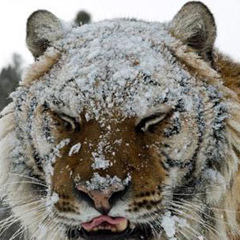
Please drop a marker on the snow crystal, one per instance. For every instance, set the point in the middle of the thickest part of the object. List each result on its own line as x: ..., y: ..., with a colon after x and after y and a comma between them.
x: 99, y: 162
x: 170, y: 223
x: 54, y: 198
x: 74, y: 149
x: 59, y: 146
x: 127, y: 180
x: 118, y: 141
x: 55, y: 152
x: 100, y: 183
x: 77, y: 179
x: 48, y: 168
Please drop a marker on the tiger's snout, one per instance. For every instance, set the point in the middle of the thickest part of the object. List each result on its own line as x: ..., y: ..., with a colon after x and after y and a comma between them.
x: 101, y: 200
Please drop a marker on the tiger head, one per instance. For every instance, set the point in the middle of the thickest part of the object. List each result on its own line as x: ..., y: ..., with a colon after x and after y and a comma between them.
x: 122, y: 129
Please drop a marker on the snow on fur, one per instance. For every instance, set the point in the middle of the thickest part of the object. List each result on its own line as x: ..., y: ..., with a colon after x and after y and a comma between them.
x: 122, y: 64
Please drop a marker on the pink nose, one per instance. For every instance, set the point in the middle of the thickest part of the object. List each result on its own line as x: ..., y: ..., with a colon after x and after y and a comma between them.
x: 102, y: 200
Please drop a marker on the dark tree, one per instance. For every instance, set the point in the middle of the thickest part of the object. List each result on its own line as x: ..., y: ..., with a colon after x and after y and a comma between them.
x: 82, y: 18
x: 9, y: 79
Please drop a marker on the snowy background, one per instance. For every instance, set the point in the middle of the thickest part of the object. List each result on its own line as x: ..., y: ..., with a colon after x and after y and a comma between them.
x: 13, y: 16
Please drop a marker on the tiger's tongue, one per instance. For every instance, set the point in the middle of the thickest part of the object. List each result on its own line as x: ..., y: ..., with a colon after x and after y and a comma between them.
x: 120, y: 223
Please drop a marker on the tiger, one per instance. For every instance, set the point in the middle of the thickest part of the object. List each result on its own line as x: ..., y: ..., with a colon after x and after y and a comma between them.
x: 123, y: 129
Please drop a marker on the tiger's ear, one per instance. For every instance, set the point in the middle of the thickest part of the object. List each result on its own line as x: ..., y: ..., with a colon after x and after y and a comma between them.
x: 195, y: 26
x: 43, y: 28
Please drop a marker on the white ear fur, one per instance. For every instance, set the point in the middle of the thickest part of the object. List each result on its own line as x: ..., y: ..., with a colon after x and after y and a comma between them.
x: 43, y: 28
x: 195, y: 26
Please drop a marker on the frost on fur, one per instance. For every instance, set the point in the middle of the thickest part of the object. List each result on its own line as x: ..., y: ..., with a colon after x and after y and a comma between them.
x: 123, y: 129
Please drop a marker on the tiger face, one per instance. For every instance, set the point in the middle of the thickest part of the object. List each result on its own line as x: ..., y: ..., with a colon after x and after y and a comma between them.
x: 121, y: 131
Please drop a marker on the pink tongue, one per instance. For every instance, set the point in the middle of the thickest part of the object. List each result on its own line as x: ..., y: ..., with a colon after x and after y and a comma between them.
x: 102, y: 219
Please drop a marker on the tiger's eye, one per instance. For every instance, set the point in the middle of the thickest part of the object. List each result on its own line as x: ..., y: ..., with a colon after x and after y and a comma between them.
x: 70, y: 123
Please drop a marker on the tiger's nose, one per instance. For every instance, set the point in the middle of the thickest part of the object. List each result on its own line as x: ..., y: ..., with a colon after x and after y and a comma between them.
x: 102, y: 200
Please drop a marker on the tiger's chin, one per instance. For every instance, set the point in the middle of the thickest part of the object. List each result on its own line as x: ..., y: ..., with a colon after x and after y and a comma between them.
x: 106, y: 231
x: 101, y: 234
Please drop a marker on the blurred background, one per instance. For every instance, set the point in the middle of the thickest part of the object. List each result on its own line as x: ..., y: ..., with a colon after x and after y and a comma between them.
x: 14, y: 56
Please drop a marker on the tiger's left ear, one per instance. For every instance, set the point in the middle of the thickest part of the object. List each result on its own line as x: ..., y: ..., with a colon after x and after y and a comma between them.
x: 195, y: 26
x: 43, y: 29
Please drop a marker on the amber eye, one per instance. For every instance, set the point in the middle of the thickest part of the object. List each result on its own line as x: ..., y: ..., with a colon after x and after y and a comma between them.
x: 149, y: 123
x: 70, y: 123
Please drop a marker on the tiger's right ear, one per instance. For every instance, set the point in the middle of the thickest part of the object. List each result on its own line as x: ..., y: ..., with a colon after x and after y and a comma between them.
x: 195, y: 26
x: 43, y: 28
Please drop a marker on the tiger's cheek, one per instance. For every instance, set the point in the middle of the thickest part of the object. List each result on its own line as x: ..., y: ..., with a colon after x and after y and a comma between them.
x: 171, y: 146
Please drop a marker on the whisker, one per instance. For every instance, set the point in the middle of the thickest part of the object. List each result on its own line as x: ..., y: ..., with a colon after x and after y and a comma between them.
x: 26, y: 176
x: 45, y: 219
x: 184, y: 235
x: 206, y: 225
x: 186, y: 206
x: 27, y: 203
x: 17, y: 233
x: 25, y: 182
x: 37, y: 219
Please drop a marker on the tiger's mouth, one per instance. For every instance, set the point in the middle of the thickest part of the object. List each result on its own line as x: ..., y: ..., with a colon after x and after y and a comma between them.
x: 106, y: 228
x: 106, y: 223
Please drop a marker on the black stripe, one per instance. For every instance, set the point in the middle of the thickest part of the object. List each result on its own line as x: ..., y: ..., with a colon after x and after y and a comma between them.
x: 66, y: 84
x: 214, y: 152
x: 38, y: 160
x: 174, y: 129
x: 190, y: 183
x: 6, y: 114
x: 172, y: 163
